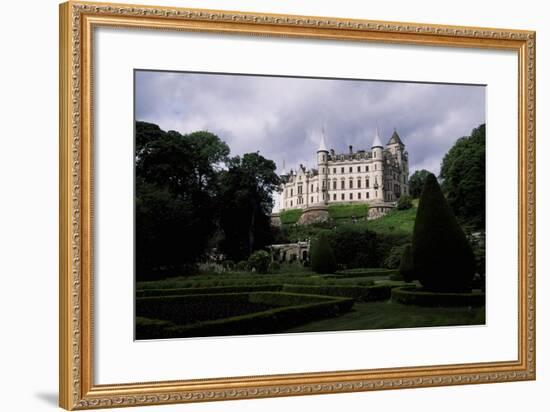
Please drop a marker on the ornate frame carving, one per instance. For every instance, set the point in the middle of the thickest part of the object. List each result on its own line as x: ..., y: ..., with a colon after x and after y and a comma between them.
x: 77, y: 21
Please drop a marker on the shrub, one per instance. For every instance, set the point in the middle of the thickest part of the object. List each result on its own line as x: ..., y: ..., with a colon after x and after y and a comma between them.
x: 259, y: 261
x: 404, y: 202
x: 322, y: 256
x: 354, y: 246
x: 274, y: 267
x: 406, y: 267
x: 393, y: 259
x: 228, y: 264
x: 242, y: 266
x: 410, y: 295
x: 442, y: 256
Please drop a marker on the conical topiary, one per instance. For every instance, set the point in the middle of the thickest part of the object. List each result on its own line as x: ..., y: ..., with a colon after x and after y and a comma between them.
x: 322, y: 256
x: 443, y: 258
x: 406, y: 267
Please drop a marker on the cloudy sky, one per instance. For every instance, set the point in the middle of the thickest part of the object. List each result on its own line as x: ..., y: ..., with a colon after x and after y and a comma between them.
x: 283, y: 117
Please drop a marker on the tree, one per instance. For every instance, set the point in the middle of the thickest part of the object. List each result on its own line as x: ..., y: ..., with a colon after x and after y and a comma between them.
x: 404, y: 202
x: 463, y: 177
x: 442, y: 256
x: 246, y: 202
x: 259, y: 261
x: 416, y: 182
x: 406, y: 266
x: 176, y: 198
x: 322, y: 256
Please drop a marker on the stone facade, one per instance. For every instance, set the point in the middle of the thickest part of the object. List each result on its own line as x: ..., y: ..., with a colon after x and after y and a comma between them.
x: 378, y: 176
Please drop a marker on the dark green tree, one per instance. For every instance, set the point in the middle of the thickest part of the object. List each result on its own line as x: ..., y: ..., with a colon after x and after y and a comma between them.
x: 416, y: 182
x: 246, y: 201
x: 463, y: 177
x: 406, y: 267
x: 322, y: 256
x: 442, y: 256
x: 176, y: 198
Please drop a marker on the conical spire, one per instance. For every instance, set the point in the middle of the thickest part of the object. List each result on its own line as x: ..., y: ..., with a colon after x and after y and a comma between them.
x: 323, y: 143
x: 395, y: 139
x: 376, y: 142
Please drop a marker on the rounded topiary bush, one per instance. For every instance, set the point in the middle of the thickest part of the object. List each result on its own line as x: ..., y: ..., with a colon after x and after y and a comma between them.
x: 442, y: 256
x: 406, y: 267
x: 259, y: 261
x: 322, y: 256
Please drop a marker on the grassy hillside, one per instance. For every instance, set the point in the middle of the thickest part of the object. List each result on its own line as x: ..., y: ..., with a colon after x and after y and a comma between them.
x: 348, y: 211
x: 397, y: 221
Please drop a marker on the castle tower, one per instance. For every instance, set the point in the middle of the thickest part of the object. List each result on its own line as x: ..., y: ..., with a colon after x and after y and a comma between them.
x: 378, y: 164
x: 397, y: 148
x: 322, y: 163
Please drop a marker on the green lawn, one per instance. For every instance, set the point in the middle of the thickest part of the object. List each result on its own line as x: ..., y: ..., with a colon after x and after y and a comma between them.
x: 291, y: 216
x: 386, y: 315
x: 396, y: 221
x: 348, y: 211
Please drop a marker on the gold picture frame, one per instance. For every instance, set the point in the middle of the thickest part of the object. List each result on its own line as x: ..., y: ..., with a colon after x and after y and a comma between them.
x: 77, y: 23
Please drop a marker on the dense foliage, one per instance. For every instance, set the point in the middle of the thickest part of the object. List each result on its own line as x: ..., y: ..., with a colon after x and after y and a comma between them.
x: 406, y: 267
x: 322, y: 255
x: 463, y: 177
x: 191, y: 197
x: 416, y: 182
x: 259, y: 261
x: 442, y: 256
x: 404, y: 202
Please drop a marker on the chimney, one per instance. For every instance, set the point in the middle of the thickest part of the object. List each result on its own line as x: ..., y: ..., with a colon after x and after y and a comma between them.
x: 350, y: 149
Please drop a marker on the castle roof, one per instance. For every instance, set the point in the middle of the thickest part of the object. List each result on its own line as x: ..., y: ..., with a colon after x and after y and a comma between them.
x: 376, y: 142
x: 322, y: 144
x: 395, y: 139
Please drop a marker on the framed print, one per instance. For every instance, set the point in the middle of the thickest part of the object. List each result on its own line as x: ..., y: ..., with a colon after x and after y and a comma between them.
x: 260, y: 205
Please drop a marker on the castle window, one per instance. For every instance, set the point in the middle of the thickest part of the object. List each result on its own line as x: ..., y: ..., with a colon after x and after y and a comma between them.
x: 359, y: 183
x: 300, y: 189
x: 334, y: 170
x: 343, y: 196
x: 366, y: 168
x: 334, y: 196
x: 291, y: 193
x: 291, y: 203
x: 367, y: 183
x: 351, y: 169
x: 342, y: 170
x: 351, y: 184
x: 375, y: 167
x: 311, y: 199
x: 359, y: 169
x: 324, y: 158
x: 367, y: 195
x: 351, y: 196
x: 324, y: 184
x: 359, y: 195
x: 312, y: 189
x: 342, y: 184
x: 334, y: 185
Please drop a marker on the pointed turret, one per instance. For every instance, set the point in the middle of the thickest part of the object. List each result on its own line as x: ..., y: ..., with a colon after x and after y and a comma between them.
x: 395, y: 139
x: 323, y: 143
x: 376, y: 141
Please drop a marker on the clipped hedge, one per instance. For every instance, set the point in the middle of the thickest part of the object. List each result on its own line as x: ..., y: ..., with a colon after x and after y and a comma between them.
x: 305, y: 309
x: 207, y: 291
x: 362, y: 293
x: 364, y: 272
x: 411, y: 295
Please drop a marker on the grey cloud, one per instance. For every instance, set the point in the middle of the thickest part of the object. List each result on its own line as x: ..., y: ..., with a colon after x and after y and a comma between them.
x: 283, y: 117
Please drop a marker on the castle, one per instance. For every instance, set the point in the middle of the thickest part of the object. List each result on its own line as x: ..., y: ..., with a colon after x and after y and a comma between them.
x: 377, y: 177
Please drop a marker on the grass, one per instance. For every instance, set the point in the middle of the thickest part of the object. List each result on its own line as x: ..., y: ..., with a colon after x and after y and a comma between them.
x: 386, y: 315
x: 291, y: 216
x: 348, y: 211
x: 396, y: 221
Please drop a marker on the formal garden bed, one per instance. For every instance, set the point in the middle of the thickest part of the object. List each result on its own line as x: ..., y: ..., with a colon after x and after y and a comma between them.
x: 231, y: 313
x: 413, y: 295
